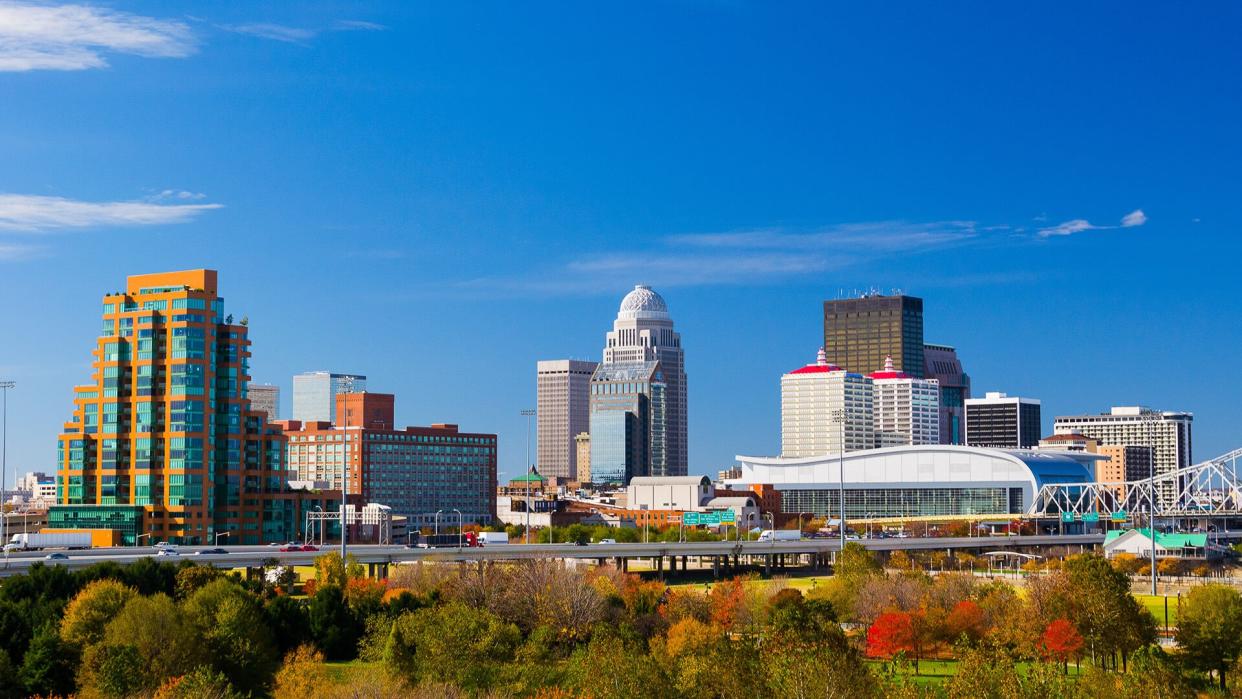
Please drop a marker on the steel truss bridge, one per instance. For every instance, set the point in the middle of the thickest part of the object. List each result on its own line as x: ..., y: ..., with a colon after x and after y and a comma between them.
x: 1208, y: 489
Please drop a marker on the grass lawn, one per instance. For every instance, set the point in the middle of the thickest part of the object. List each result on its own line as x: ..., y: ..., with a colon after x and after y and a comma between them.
x: 1155, y: 605
x: 347, y: 673
x: 937, y: 671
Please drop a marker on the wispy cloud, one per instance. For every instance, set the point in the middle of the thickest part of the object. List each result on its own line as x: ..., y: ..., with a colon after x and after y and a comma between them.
x: 12, y: 251
x: 34, y: 214
x: 275, y: 32
x: 1134, y: 218
x: 178, y: 195
x: 736, y: 257
x: 298, y: 35
x: 1078, y: 225
x: 76, y: 37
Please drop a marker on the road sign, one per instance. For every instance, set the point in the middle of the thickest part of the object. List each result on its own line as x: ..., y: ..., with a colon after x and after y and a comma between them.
x: 1119, y: 516
x: 1067, y: 516
x: 712, y: 518
x: 1091, y: 517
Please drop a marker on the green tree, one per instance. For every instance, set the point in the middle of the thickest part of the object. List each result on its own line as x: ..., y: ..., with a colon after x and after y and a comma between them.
x: 200, y: 683
x: 1209, y: 628
x: 89, y: 612
x: 332, y: 624
x: 1106, y: 614
x: 578, y: 534
x: 10, y: 682
x: 116, y: 670
x: 230, y: 621
x: 288, y: 621
x: 610, y: 668
x: 47, y: 668
x: 190, y: 578
x: 163, y: 637
x: 451, y: 643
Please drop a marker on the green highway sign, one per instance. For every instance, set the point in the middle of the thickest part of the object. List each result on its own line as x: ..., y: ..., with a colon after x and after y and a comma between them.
x: 1091, y: 517
x: 1119, y: 516
x: 711, y: 518
x: 1067, y: 516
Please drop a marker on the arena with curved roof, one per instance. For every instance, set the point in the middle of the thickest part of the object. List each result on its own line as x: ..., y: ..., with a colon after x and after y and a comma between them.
x: 915, y: 481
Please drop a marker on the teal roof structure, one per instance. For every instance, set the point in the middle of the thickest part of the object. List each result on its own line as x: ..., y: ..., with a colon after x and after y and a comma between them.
x: 1168, y: 541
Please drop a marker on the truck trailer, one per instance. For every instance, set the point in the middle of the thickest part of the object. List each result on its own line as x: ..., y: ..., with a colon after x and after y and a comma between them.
x: 780, y: 535
x: 33, y: 542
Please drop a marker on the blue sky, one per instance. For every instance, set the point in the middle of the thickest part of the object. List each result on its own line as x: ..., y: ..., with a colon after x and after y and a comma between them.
x: 438, y: 195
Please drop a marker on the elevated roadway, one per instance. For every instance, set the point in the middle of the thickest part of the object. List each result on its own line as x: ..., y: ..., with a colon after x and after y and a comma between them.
x: 257, y: 556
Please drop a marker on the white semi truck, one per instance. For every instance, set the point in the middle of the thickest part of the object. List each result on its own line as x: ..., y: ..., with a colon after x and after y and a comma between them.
x: 33, y: 542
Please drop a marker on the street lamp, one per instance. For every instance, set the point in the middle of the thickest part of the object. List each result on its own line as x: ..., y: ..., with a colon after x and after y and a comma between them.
x: 800, y: 521
x: 838, y: 416
x: 438, y: 522
x: 4, y: 448
x: 528, y: 413
x: 139, y: 538
x: 458, y: 527
x: 220, y: 534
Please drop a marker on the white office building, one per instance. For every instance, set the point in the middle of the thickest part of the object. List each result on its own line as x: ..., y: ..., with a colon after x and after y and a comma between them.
x: 563, y: 412
x: 824, y: 410
x: 314, y: 394
x: 1168, y: 433
x: 905, y: 409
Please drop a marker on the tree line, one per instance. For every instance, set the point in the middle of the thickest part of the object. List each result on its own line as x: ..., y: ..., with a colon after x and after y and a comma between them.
x: 552, y: 630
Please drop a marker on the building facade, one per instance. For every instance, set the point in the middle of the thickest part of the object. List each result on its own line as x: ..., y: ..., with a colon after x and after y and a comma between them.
x: 643, y: 332
x: 265, y: 398
x: 629, y: 421
x: 1000, y: 421
x: 914, y: 481
x: 859, y: 333
x: 940, y: 362
x: 162, y: 442
x: 824, y: 410
x: 582, y: 445
x: 906, y: 410
x: 415, y: 471
x: 1168, y: 433
x: 314, y: 394
x: 563, y: 411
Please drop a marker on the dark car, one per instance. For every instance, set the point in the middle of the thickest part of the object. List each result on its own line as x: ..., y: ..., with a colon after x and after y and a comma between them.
x: 212, y: 552
x: 56, y: 557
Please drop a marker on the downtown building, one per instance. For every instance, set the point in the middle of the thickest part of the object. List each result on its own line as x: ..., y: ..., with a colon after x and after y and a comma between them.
x: 1001, y: 421
x: 163, y: 442
x: 643, y: 334
x: 941, y: 363
x: 629, y: 422
x: 265, y: 398
x: 860, y: 333
x: 415, y: 471
x: 563, y: 412
x: 906, y: 410
x: 825, y: 410
x: 1166, y: 433
x: 314, y: 394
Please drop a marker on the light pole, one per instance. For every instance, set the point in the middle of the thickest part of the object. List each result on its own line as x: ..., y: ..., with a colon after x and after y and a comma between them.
x: 528, y: 413
x: 800, y: 521
x: 1151, y: 496
x: 438, y: 522
x: 139, y: 538
x: 839, y: 417
x: 347, y: 386
x: 458, y: 527
x: 220, y: 534
x: 4, y: 450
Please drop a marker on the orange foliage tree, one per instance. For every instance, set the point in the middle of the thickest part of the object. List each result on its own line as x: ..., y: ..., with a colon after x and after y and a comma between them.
x: 1061, y: 641
x: 891, y: 634
x: 966, y: 619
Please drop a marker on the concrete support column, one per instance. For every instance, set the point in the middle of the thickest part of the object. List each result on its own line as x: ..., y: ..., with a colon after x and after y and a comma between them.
x: 767, y: 564
x: 716, y: 567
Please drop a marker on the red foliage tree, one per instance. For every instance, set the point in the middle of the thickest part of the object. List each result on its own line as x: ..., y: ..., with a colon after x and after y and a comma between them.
x: 1061, y: 641
x: 728, y: 603
x: 892, y: 633
x: 965, y: 619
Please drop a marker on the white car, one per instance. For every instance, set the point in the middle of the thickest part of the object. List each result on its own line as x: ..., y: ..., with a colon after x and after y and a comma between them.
x: 167, y: 552
x: 165, y: 546
x: 607, y: 541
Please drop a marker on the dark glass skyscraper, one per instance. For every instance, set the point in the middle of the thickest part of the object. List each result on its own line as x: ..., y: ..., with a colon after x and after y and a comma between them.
x: 860, y: 333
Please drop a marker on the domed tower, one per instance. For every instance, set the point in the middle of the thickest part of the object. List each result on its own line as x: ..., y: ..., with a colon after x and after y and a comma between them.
x: 643, y: 332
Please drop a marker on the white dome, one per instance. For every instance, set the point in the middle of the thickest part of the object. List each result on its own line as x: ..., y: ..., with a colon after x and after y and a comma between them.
x: 643, y: 302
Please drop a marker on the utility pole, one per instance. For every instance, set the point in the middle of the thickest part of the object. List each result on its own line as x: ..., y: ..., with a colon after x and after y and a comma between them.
x: 528, y: 413
x: 839, y: 416
x: 347, y: 386
x: 1151, y: 497
x: 4, y: 453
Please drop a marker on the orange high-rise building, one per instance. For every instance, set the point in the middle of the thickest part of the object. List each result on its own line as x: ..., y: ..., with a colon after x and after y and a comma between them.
x: 162, y: 442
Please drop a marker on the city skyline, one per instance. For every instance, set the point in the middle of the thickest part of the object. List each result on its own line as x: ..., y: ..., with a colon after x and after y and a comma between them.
x: 372, y: 211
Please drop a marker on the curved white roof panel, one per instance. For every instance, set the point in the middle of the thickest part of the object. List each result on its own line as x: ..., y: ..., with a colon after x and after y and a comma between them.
x: 926, y: 466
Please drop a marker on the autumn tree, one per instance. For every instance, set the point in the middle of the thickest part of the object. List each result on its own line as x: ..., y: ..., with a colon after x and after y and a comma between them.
x: 1209, y: 628
x: 225, y: 617
x: 303, y: 674
x: 965, y: 621
x: 1061, y: 642
x: 90, y: 611
x: 891, y: 634
x: 153, y: 629
x: 451, y: 643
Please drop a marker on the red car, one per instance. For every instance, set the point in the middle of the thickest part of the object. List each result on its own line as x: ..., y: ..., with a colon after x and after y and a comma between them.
x: 309, y: 547
x: 290, y: 548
